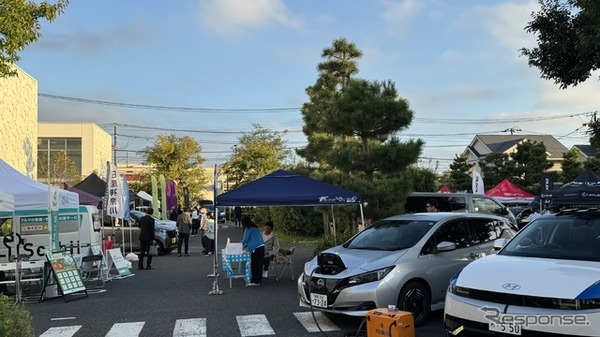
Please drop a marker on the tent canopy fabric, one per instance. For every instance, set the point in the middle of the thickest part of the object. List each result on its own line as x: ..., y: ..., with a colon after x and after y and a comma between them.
x: 92, y: 184
x: 86, y: 198
x: 144, y: 195
x: 283, y: 188
x: 507, y: 192
x: 30, y: 195
x: 445, y: 189
x: 583, y: 190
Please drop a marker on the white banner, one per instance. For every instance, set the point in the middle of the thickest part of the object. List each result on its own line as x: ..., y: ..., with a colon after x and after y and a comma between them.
x: 478, y: 187
x: 114, y: 193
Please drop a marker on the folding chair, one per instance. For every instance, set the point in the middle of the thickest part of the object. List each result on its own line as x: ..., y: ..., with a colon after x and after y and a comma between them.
x: 91, y: 269
x: 284, y: 261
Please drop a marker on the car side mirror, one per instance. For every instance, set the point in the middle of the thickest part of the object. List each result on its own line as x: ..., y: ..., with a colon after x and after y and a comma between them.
x: 445, y: 246
x: 499, y: 243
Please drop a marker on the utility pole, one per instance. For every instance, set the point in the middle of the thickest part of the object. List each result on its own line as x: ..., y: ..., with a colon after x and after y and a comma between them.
x: 512, y: 130
x: 115, y: 144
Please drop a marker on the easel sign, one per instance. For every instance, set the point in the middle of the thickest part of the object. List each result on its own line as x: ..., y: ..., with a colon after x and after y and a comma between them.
x: 117, y: 259
x: 66, y: 274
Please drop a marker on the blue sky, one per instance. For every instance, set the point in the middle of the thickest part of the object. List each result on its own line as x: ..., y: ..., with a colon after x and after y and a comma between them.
x: 457, y: 62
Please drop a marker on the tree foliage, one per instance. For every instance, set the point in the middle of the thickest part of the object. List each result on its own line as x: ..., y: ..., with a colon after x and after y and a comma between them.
x: 352, y: 125
x: 20, y: 26
x: 496, y: 167
x: 568, y: 47
x: 257, y: 153
x: 178, y: 159
x: 57, y: 169
x: 531, y: 161
x: 459, y: 178
x: 15, y: 320
x: 571, y: 166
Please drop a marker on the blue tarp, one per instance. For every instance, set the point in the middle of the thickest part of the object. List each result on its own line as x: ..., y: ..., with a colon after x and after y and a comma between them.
x: 283, y: 188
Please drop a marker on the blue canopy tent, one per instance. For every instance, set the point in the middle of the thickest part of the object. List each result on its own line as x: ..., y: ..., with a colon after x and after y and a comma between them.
x: 283, y: 188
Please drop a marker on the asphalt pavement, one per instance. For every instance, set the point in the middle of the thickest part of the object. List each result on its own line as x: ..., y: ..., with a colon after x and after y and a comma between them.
x: 174, y: 299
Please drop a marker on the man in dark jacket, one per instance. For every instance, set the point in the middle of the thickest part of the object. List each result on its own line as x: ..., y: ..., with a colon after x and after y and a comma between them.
x: 146, y: 238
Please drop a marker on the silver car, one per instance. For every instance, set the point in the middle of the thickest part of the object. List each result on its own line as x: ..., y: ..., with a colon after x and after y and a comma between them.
x: 405, y: 261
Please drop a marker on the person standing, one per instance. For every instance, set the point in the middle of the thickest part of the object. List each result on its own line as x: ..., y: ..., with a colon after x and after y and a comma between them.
x: 271, y: 246
x: 208, y: 239
x: 237, y: 213
x: 146, y: 238
x: 195, y: 221
x: 184, y: 224
x: 252, y: 240
x: 203, y: 224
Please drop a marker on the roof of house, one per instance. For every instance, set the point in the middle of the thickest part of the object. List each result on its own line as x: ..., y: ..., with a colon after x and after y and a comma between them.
x: 501, y: 143
x: 586, y: 149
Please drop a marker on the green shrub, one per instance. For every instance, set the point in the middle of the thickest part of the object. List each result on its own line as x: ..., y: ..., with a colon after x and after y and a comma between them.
x: 15, y: 320
x: 328, y: 241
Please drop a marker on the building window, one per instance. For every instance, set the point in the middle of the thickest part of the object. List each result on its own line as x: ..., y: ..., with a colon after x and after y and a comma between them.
x: 71, y: 146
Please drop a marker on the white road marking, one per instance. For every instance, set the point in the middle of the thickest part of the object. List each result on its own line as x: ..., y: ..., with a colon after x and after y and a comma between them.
x: 191, y: 327
x: 61, y: 331
x: 62, y: 318
x: 254, y: 325
x: 307, y: 320
x: 126, y: 329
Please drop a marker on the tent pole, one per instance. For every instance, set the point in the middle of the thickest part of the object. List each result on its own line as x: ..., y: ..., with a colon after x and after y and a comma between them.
x: 334, y: 226
x: 215, y: 289
x: 362, y: 215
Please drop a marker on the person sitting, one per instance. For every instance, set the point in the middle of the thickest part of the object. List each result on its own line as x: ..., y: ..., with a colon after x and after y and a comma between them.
x: 271, y: 246
x: 431, y: 205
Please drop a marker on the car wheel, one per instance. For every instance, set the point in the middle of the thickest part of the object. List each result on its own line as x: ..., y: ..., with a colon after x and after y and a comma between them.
x: 415, y: 298
x: 161, y: 248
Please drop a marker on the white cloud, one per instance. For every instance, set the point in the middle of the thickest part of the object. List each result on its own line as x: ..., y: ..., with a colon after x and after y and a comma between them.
x: 398, y: 14
x: 506, y: 23
x: 234, y: 17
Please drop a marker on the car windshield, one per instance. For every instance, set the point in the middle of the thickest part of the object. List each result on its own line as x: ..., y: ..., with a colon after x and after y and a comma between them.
x: 558, y: 237
x: 390, y: 235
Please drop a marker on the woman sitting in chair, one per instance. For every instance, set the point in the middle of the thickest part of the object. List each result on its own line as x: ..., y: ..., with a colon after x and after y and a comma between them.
x: 271, y: 246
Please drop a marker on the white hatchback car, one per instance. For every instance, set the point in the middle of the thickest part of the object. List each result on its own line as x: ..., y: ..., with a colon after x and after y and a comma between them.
x: 405, y: 260
x: 544, y: 282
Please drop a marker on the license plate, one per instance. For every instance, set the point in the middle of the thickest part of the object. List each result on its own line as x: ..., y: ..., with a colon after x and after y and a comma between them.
x: 318, y: 300
x: 174, y: 240
x: 512, y: 329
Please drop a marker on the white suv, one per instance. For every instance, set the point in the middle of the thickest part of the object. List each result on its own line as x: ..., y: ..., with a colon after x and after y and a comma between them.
x: 544, y: 282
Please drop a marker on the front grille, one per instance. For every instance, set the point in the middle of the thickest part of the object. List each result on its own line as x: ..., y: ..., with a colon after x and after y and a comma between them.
x: 523, y: 300
x: 172, y: 234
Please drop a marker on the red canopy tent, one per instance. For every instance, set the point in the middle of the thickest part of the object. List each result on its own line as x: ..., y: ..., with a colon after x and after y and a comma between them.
x: 445, y: 189
x: 507, y: 193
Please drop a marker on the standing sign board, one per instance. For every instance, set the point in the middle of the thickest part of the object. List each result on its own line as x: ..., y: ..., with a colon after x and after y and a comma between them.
x: 66, y: 274
x: 117, y: 259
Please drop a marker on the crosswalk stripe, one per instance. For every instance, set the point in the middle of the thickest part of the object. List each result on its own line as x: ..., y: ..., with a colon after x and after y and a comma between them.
x: 125, y: 329
x: 307, y: 320
x: 61, y: 331
x: 191, y: 327
x: 254, y: 325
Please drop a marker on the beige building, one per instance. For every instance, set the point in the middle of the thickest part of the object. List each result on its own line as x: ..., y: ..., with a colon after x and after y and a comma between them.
x: 18, y: 122
x: 86, y: 144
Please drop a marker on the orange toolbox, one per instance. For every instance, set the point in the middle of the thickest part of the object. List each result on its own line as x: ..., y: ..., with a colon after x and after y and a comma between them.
x: 390, y: 323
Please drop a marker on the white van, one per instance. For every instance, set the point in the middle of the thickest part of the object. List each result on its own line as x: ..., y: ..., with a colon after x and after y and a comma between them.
x: 30, y: 235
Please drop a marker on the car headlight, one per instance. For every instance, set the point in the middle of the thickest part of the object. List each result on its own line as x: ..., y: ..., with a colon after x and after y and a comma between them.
x: 371, y: 276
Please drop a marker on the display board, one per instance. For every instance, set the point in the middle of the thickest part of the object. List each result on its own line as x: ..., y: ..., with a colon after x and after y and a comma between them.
x: 66, y: 272
x: 117, y: 259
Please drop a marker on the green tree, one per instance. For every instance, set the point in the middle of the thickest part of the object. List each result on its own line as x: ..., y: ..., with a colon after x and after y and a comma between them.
x: 496, y: 167
x: 178, y: 159
x: 57, y: 169
x: 459, y: 177
x: 424, y: 179
x: 19, y: 27
x: 531, y: 161
x: 258, y: 153
x: 571, y: 166
x: 352, y: 126
x: 568, y: 47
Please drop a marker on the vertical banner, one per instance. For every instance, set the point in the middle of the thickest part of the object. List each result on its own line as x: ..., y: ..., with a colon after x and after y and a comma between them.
x: 163, y: 197
x: 127, y: 201
x: 53, y: 218
x: 547, y: 183
x: 114, y: 193
x: 478, y: 187
x: 155, y: 204
x: 171, y: 194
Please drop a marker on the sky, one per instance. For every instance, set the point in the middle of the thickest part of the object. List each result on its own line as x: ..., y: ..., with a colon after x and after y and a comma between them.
x: 211, y: 69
